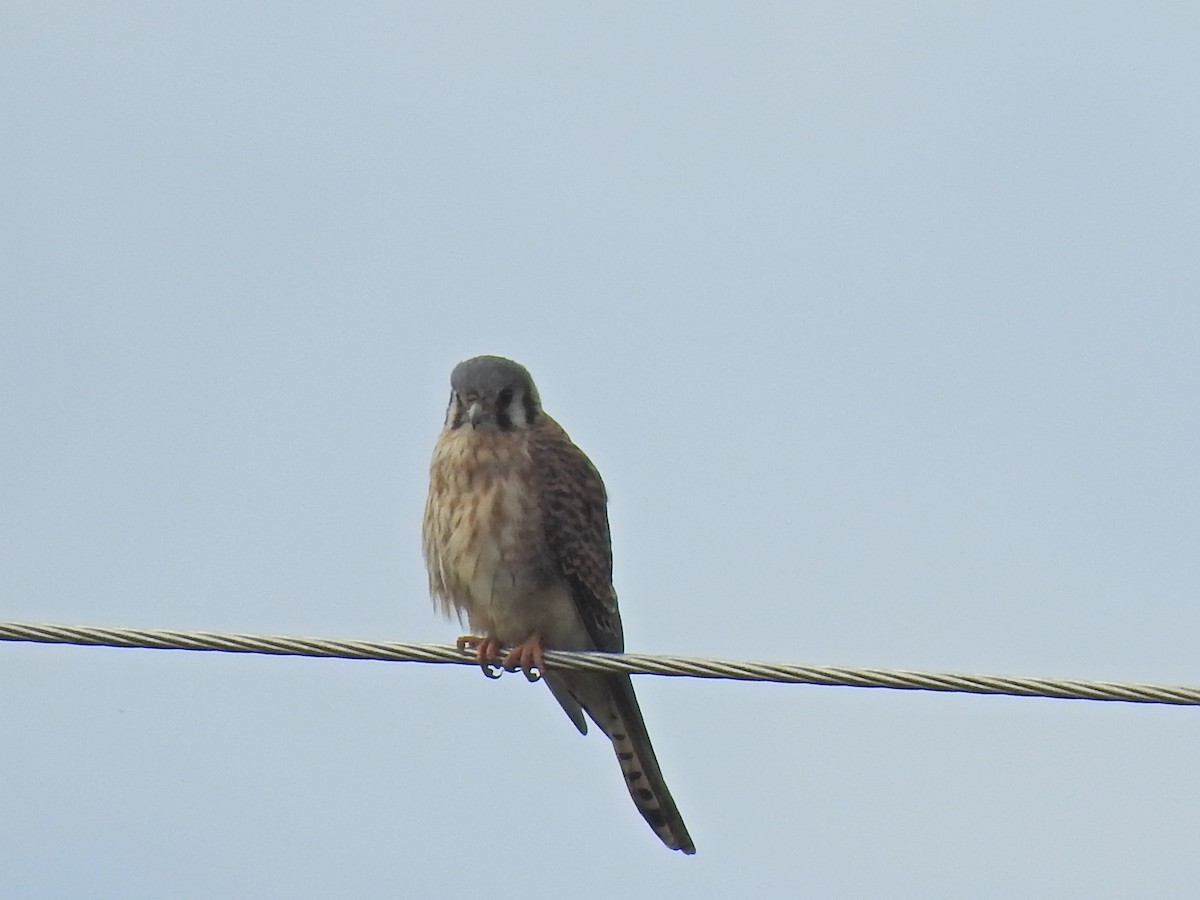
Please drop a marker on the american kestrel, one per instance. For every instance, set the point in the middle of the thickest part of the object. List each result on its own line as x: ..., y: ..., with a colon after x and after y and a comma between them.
x: 516, y: 540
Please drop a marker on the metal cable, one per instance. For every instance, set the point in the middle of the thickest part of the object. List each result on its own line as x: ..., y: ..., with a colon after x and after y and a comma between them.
x: 632, y: 663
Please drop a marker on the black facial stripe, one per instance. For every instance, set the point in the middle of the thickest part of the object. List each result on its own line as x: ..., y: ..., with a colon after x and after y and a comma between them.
x: 459, y: 412
x: 530, y: 410
x: 504, y: 409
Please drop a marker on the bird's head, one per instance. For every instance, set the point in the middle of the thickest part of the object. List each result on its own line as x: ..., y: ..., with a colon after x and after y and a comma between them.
x: 491, y: 392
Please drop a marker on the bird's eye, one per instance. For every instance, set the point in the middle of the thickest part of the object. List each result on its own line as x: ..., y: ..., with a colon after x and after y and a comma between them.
x: 504, y: 398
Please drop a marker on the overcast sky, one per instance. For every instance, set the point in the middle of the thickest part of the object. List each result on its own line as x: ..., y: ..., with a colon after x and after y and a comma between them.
x: 880, y: 321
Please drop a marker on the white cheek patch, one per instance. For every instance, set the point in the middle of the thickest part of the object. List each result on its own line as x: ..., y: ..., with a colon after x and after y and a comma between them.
x: 516, y: 413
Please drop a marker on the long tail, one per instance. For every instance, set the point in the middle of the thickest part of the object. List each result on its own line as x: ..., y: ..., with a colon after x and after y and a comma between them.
x: 640, y: 767
x: 610, y: 701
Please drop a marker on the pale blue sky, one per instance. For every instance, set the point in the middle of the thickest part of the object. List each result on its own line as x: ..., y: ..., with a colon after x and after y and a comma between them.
x: 881, y: 322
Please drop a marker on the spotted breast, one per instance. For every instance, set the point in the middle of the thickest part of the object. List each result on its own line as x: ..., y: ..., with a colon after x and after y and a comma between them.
x: 485, y: 546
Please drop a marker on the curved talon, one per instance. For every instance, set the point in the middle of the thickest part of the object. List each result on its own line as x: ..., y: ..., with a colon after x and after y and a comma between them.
x: 526, y: 656
x: 486, y: 651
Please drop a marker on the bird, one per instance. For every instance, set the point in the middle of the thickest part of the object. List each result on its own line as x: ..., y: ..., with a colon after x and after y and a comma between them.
x: 516, y: 540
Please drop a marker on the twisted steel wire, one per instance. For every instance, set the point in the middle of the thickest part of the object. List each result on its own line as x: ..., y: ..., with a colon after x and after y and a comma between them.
x: 631, y: 663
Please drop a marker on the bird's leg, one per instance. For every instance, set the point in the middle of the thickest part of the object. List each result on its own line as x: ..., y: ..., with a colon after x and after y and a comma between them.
x: 486, y: 651
x: 526, y: 656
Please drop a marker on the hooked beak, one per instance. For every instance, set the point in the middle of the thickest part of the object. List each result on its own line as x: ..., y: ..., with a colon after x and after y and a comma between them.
x: 475, y: 414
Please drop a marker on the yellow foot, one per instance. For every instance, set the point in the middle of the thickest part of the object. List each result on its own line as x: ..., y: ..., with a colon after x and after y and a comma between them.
x: 526, y: 656
x: 487, y: 649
